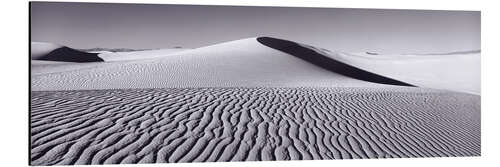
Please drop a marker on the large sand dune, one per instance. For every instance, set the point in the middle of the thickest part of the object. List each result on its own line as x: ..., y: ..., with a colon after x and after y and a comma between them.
x: 241, y: 63
x: 241, y: 124
x: 261, y: 61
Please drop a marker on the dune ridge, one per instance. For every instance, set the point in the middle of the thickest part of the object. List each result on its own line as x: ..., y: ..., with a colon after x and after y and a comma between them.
x: 326, y: 62
x: 250, y: 124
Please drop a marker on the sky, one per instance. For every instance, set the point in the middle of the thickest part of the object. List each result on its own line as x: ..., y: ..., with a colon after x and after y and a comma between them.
x: 148, y: 26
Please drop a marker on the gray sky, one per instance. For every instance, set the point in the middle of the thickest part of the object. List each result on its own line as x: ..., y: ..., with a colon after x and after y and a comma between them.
x: 89, y: 25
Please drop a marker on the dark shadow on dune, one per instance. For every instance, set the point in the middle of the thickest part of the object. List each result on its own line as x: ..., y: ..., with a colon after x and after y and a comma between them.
x: 71, y: 55
x: 323, y: 61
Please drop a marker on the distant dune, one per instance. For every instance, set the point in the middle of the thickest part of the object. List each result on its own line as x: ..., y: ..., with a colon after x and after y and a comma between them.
x: 53, y: 52
x: 70, y: 55
x: 250, y: 100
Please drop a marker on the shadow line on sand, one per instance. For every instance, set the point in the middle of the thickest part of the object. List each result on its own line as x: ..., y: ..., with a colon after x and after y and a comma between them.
x: 326, y: 62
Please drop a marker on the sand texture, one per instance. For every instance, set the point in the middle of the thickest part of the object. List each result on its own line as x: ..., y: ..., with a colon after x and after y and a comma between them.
x: 248, y: 124
x: 252, y: 99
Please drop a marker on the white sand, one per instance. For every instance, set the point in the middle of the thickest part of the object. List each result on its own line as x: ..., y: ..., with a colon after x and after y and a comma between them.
x: 242, y: 63
x: 241, y: 101
x: 247, y: 63
x: 136, y: 55
x: 456, y: 72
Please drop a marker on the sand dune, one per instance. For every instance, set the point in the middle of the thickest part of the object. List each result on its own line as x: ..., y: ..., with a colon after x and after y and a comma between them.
x: 248, y: 124
x: 456, y: 71
x: 42, y: 51
x: 250, y: 63
x: 314, y: 57
x: 54, y: 52
x: 241, y: 63
x: 71, y: 55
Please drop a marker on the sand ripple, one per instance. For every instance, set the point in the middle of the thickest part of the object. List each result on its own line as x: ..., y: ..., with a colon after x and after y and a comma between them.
x: 250, y: 124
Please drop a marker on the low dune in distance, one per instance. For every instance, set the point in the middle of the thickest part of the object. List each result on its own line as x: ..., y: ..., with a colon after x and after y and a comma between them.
x: 53, y: 52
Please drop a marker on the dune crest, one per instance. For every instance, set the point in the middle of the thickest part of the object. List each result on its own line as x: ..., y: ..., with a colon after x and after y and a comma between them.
x: 326, y: 62
x: 455, y: 71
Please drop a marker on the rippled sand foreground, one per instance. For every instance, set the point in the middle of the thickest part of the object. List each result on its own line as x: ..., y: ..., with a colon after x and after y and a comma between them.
x: 246, y: 124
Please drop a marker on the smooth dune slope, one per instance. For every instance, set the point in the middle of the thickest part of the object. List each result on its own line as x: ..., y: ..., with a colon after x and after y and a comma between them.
x: 457, y: 71
x: 137, y: 55
x: 250, y: 124
x: 241, y: 63
x: 311, y: 56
